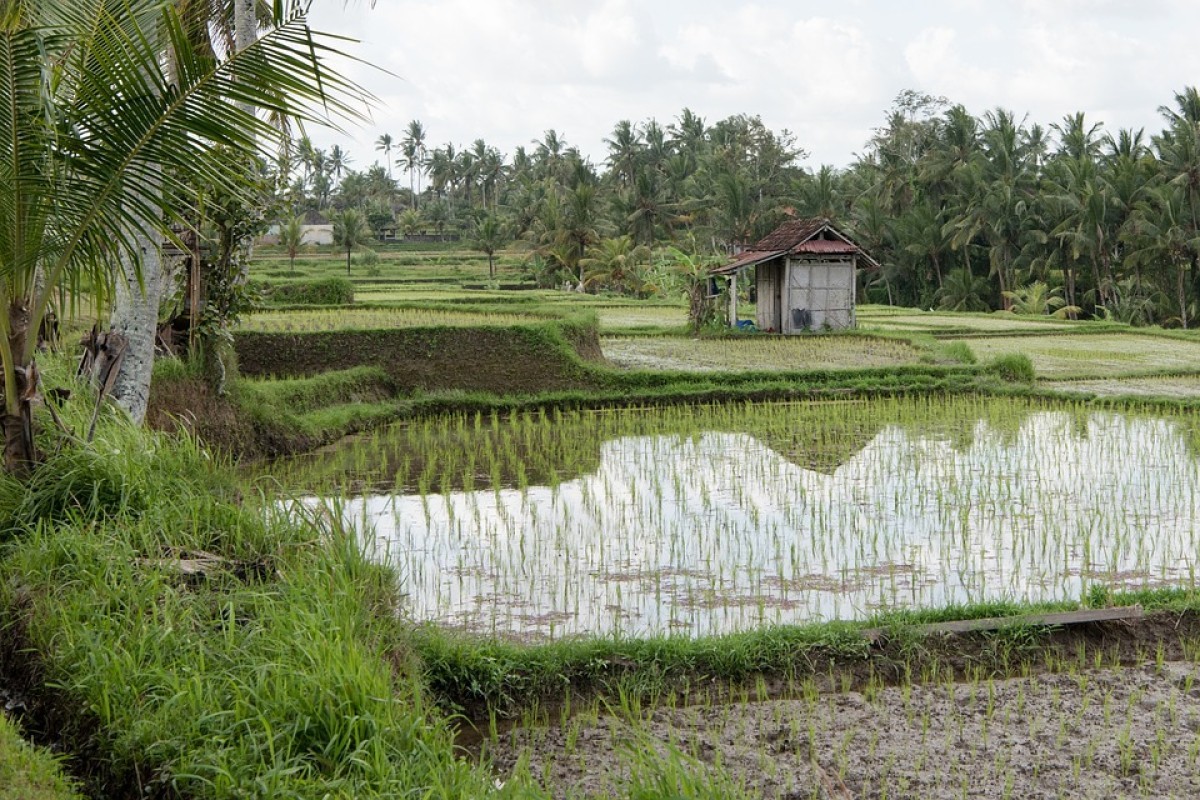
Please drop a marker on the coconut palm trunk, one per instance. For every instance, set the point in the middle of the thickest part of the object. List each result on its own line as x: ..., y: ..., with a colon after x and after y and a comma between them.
x: 135, y: 318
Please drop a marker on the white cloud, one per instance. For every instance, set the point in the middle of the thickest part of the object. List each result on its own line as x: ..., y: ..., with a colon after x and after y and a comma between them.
x: 505, y: 70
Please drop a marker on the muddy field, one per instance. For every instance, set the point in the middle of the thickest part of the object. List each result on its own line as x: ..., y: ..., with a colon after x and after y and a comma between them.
x: 1093, y: 733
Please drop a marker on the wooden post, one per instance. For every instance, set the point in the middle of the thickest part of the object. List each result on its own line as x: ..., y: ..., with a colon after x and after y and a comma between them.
x: 733, y: 319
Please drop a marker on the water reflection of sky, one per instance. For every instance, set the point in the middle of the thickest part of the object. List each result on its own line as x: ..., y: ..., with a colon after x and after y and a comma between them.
x: 717, y: 532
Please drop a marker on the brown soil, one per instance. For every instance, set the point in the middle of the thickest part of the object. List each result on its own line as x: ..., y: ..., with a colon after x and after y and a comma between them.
x: 510, y: 360
x: 190, y: 405
x: 1096, y: 710
x: 1090, y: 733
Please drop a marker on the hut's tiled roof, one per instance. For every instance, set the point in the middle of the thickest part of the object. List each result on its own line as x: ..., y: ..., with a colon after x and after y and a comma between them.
x: 790, y: 234
x: 794, y: 237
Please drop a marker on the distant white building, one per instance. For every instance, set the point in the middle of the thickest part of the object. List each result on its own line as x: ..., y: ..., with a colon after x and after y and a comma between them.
x: 312, y: 234
x: 317, y: 234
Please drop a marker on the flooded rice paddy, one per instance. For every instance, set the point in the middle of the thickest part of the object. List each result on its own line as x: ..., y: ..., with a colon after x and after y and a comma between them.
x: 716, y: 519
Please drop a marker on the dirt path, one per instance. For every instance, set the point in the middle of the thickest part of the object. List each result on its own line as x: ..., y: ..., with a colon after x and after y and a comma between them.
x: 1103, y: 733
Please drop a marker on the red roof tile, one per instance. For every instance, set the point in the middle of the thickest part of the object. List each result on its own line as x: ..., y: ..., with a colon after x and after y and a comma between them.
x: 790, y: 234
x: 798, y: 236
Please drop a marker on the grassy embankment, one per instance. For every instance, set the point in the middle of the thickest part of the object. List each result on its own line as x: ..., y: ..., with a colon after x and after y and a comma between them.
x: 182, y: 639
x: 27, y: 772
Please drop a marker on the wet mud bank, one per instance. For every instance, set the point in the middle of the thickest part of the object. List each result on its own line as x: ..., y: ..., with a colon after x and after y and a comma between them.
x: 1101, y: 709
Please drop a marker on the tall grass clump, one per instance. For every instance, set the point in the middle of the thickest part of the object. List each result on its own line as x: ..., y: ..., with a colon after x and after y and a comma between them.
x: 197, y: 643
x: 1015, y: 368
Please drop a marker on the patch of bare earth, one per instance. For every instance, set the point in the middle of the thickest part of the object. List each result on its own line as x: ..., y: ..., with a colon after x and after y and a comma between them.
x: 1091, y: 733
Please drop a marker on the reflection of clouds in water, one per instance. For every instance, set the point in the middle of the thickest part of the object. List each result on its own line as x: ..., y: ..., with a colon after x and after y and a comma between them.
x: 717, y: 532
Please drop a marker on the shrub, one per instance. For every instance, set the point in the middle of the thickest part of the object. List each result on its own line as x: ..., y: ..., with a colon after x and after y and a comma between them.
x: 959, y: 352
x: 366, y: 257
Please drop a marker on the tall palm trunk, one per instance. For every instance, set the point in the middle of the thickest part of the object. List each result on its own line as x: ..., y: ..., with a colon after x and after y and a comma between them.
x: 1181, y: 291
x: 245, y: 31
x: 245, y: 25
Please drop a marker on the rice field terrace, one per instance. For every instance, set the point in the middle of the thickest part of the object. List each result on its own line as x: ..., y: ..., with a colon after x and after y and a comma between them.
x: 310, y: 320
x: 707, y: 520
x: 1174, y: 386
x: 889, y: 318
x: 388, y: 263
x: 640, y: 317
x: 690, y: 354
x: 1110, y: 355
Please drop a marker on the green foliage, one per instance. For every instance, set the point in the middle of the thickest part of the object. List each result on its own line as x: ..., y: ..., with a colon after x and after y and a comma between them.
x: 1038, y: 299
x: 488, y: 236
x: 291, y: 238
x: 97, y: 129
x: 673, y: 775
x: 618, y: 264
x: 366, y: 257
x: 960, y: 352
x: 350, y: 231
x: 963, y: 291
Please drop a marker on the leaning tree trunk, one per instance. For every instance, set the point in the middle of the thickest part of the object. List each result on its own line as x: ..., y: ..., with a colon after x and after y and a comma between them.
x: 135, y: 317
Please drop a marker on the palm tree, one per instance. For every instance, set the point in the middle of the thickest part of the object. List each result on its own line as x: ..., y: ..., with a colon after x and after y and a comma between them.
x: 616, y: 263
x: 413, y: 150
x: 623, y: 150
x: 306, y: 153
x: 384, y: 145
x: 339, y: 159
x: 291, y: 238
x: 1038, y: 299
x: 490, y: 235
x: 962, y: 291
x: 1162, y: 238
x: 94, y: 134
x: 350, y: 230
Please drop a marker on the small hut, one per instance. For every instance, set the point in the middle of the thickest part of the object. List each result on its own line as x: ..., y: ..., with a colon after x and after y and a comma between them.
x: 805, y: 277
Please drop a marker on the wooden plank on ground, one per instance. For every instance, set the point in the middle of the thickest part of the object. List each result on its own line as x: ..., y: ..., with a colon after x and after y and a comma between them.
x: 1064, y: 618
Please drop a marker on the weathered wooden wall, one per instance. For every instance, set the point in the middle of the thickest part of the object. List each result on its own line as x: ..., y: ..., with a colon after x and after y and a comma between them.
x: 767, y: 302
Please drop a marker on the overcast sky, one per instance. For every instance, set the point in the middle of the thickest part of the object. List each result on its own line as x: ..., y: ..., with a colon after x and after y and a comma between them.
x: 506, y: 70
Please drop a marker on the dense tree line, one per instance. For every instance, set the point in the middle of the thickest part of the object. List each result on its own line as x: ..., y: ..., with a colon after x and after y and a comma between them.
x: 964, y: 212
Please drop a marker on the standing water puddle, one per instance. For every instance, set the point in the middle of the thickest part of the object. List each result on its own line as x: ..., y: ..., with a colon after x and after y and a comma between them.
x: 770, y: 520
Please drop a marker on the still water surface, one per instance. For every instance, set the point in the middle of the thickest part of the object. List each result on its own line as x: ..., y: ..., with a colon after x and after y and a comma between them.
x: 716, y: 531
